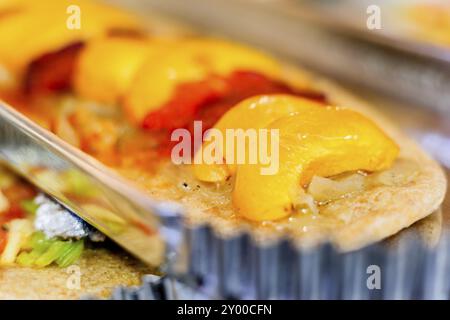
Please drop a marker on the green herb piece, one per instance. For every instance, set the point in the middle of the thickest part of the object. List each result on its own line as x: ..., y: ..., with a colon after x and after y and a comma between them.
x: 29, y: 206
x: 55, y: 250
x: 71, y: 255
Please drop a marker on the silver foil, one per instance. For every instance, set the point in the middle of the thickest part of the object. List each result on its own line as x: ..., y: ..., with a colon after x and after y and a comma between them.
x: 238, y: 268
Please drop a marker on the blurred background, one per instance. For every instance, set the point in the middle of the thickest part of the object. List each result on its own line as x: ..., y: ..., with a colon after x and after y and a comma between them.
x: 393, y: 53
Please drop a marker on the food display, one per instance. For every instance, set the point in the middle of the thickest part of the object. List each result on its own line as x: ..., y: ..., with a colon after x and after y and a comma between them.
x: 154, y: 107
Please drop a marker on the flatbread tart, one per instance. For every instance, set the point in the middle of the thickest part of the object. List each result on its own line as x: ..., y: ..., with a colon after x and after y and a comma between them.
x: 151, y: 105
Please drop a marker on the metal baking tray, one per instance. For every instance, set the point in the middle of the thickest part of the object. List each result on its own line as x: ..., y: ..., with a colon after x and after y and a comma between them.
x: 239, y: 269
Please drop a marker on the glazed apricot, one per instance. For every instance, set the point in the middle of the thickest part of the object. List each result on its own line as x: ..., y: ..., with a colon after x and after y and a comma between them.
x: 314, y: 140
x: 34, y: 28
x: 253, y: 113
x: 190, y: 61
x: 107, y: 67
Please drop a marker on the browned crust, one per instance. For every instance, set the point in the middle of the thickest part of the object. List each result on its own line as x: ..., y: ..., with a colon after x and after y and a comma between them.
x: 384, y: 211
x: 101, y: 271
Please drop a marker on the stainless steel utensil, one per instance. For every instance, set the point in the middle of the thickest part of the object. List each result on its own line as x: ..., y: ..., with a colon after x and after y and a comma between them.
x: 148, y: 229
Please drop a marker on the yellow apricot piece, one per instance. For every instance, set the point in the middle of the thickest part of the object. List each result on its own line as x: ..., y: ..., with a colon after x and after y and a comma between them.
x: 190, y: 61
x: 253, y: 113
x: 37, y: 27
x: 322, y: 142
x: 107, y: 66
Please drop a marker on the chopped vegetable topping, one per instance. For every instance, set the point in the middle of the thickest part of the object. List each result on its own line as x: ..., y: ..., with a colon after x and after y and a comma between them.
x: 4, y: 202
x: 18, y: 234
x: 46, y: 251
x: 29, y: 206
x: 3, y: 239
x: 39, y: 242
x: 56, y: 250
x: 71, y: 255
x: 14, y: 212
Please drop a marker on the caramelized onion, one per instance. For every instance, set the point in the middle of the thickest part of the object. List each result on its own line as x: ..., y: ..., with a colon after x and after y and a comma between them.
x: 325, y: 189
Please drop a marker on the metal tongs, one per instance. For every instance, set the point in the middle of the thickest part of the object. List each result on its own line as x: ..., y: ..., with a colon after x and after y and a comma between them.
x: 149, y: 229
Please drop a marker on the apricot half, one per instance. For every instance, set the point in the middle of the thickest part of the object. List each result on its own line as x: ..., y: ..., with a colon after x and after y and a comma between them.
x: 107, y: 66
x: 253, y: 113
x: 313, y: 140
x: 34, y: 28
x: 190, y: 61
